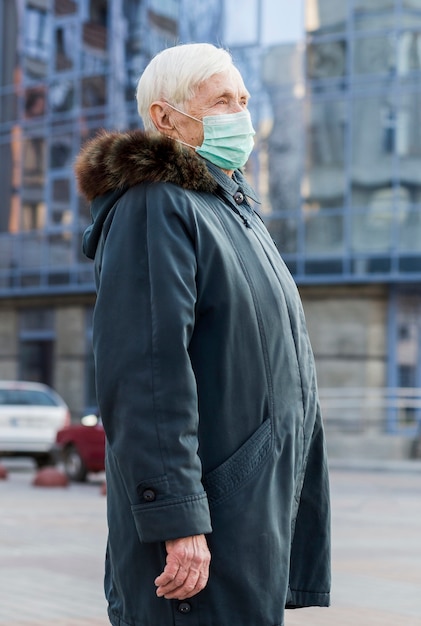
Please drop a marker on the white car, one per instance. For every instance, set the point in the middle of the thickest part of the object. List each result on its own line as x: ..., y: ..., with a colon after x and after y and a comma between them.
x: 30, y: 416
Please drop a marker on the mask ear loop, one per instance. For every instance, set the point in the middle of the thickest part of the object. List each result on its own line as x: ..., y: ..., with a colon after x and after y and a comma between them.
x: 183, y: 113
x: 191, y: 117
x: 184, y: 143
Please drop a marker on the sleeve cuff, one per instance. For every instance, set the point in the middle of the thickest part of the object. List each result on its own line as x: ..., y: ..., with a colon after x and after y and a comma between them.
x: 172, y: 519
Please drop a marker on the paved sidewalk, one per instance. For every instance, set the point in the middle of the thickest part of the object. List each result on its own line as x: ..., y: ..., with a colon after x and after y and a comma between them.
x: 376, y: 551
x: 52, y: 545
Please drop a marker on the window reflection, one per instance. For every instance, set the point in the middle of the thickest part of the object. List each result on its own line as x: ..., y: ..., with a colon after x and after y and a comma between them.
x: 374, y: 15
x: 61, y: 95
x: 284, y: 154
x: 98, y: 12
x: 324, y: 234
x: 34, y: 162
x: 60, y: 213
x: 36, y: 41
x: 36, y: 32
x: 60, y: 251
x: 374, y: 55
x: 94, y: 91
x: 374, y: 136
x: 324, y: 180
x: 33, y: 215
x: 325, y: 16
x: 409, y: 137
x: 33, y: 182
x: 31, y: 253
x: 35, y: 102
x: 364, y: 6
x: 60, y: 150
x: 66, y: 47
x: 9, y: 185
x: 371, y: 228
x: 84, y: 215
x: 201, y: 20
x: 283, y: 230
x: 95, y: 38
x: 384, y: 130
x: 326, y: 59
x: 409, y: 52
x: 65, y: 7
x: 409, y: 239
x: 387, y: 217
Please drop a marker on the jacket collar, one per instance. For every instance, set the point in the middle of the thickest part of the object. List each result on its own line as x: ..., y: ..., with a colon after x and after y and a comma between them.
x: 114, y: 161
x: 234, y: 184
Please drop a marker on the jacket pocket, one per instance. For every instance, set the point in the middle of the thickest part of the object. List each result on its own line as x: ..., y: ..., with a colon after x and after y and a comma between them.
x: 228, y: 477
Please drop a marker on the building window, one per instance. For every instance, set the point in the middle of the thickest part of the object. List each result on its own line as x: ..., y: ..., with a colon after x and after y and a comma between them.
x: 36, y: 33
x: 326, y: 60
x: 388, y: 121
x: 323, y: 183
x: 36, y: 346
x: 325, y: 16
x: 373, y: 15
x: 66, y: 47
x: 375, y: 55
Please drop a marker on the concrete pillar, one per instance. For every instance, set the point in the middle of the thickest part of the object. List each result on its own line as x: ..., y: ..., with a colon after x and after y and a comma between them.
x: 8, y: 344
x: 70, y: 357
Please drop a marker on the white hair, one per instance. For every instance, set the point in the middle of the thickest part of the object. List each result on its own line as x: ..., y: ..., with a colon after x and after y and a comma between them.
x: 174, y: 74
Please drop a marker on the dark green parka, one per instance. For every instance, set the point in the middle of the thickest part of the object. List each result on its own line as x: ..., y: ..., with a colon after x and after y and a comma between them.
x: 207, y: 390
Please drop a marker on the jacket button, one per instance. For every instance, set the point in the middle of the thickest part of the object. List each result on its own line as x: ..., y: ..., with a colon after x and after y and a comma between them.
x: 184, y: 607
x: 238, y: 197
x: 149, y: 495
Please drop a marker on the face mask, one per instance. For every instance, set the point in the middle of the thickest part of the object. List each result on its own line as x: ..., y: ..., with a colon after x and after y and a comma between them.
x: 228, y: 139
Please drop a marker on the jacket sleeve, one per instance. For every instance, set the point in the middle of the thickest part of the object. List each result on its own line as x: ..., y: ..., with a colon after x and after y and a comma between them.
x: 143, y: 321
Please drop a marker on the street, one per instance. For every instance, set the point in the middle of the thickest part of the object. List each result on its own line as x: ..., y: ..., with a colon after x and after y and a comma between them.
x: 52, y: 543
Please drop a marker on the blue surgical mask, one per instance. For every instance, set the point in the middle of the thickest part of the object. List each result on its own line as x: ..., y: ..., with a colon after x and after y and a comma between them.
x: 228, y: 139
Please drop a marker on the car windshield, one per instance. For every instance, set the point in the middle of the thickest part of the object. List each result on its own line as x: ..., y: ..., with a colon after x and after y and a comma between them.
x: 26, y: 397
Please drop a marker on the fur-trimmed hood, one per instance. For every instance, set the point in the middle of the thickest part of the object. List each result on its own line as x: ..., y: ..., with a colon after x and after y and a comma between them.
x: 118, y: 160
x: 112, y: 162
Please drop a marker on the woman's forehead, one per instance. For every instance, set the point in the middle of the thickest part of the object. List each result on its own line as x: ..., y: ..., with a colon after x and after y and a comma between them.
x: 229, y: 81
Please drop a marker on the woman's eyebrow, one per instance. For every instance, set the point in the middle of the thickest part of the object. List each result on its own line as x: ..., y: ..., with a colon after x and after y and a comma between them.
x: 232, y: 94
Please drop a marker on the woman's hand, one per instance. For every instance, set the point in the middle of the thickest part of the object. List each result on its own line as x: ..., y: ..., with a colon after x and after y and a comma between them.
x: 187, y: 568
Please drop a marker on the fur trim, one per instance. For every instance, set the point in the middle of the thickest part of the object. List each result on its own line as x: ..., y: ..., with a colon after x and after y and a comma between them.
x: 114, y: 160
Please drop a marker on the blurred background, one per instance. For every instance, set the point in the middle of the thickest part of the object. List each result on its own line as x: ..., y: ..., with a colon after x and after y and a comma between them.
x: 336, y: 103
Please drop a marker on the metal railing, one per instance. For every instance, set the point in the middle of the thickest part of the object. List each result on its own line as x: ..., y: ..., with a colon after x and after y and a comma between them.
x: 367, y: 409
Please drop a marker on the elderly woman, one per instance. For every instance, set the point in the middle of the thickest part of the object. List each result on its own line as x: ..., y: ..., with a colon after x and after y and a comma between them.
x: 217, y: 484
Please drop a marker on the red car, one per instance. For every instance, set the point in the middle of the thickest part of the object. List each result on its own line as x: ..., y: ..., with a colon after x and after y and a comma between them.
x: 81, y: 448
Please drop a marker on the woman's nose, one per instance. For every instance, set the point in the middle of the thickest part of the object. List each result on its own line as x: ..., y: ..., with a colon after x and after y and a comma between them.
x: 237, y: 107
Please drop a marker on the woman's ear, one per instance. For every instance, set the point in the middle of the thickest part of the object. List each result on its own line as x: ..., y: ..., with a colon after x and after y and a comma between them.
x: 159, y: 115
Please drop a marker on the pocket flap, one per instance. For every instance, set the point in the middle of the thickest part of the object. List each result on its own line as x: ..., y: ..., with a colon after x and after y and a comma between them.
x: 232, y: 473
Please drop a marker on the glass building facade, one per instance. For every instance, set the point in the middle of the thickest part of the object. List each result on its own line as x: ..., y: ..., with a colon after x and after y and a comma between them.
x: 336, y: 102
x: 338, y: 114
x: 69, y: 68
x: 361, y: 182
